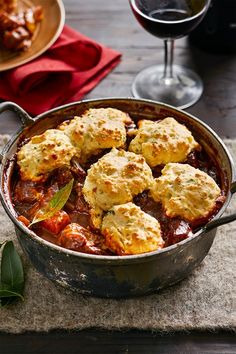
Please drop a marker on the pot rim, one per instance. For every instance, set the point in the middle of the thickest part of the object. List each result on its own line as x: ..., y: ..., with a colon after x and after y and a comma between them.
x: 115, y: 259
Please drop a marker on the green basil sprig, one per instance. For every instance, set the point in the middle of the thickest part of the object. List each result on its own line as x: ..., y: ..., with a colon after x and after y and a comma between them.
x: 55, y: 204
x: 11, y: 275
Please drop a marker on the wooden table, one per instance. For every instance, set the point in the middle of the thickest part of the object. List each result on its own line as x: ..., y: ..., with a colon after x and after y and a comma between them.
x: 112, y: 23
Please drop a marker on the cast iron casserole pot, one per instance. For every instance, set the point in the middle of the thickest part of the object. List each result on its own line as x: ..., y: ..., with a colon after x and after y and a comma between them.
x: 116, y: 276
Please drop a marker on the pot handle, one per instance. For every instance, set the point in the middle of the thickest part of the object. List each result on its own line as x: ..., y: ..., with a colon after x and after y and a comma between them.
x: 11, y: 106
x: 222, y: 221
x: 25, y: 118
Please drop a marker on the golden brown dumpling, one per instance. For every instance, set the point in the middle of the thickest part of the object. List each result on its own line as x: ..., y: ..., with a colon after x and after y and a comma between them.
x: 185, y: 191
x: 95, y: 130
x: 43, y: 154
x: 129, y: 230
x: 115, y: 179
x: 163, y: 142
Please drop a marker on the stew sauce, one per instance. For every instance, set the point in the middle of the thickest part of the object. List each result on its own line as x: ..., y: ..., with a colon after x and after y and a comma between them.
x: 71, y: 227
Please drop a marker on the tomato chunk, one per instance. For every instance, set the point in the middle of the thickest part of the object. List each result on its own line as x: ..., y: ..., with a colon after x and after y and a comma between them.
x: 56, y: 223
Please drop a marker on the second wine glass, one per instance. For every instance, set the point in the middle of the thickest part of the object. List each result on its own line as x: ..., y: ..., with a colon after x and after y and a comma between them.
x: 169, y: 20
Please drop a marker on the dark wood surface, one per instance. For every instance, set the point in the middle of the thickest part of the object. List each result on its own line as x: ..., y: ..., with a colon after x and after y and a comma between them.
x: 132, y: 342
x: 112, y: 23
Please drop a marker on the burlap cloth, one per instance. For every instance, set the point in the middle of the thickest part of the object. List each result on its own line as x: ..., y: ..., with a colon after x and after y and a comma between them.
x: 205, y: 300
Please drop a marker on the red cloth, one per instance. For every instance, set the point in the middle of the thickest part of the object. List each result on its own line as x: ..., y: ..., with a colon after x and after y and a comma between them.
x: 63, y: 74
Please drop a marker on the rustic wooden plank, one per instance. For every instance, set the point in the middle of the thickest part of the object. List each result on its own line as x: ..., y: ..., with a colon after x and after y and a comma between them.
x: 109, y: 22
x: 113, y: 24
x: 104, y: 342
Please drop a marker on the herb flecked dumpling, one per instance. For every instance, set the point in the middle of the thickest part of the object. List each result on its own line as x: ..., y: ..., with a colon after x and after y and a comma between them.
x: 163, y: 142
x: 95, y: 130
x: 43, y: 154
x: 115, y: 179
x: 129, y: 230
x: 185, y: 191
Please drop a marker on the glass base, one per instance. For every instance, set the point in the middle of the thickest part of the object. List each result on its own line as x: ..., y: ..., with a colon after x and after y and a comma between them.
x: 182, y: 91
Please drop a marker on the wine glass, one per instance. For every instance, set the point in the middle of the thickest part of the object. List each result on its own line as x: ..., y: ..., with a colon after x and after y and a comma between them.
x: 169, y: 20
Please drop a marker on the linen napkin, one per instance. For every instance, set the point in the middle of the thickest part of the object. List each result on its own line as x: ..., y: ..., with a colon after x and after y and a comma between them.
x: 63, y: 74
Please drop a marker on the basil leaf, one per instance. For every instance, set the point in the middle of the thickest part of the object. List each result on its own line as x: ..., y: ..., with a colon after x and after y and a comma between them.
x: 12, y: 275
x: 55, y: 204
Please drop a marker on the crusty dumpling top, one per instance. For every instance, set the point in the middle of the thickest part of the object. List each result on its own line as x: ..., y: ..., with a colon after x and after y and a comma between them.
x: 95, y: 130
x: 163, y: 142
x: 129, y: 230
x: 115, y: 179
x: 43, y: 154
x: 185, y: 191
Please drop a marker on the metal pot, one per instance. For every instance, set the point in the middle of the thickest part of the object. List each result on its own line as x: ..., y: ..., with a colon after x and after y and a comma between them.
x: 116, y: 276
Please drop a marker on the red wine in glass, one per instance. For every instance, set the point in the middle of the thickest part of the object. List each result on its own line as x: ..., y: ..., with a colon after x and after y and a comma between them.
x: 169, y: 20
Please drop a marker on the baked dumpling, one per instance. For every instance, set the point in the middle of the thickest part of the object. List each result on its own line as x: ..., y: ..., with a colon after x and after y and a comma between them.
x: 115, y: 179
x: 43, y: 154
x: 163, y: 142
x: 129, y: 230
x: 95, y: 130
x: 185, y: 191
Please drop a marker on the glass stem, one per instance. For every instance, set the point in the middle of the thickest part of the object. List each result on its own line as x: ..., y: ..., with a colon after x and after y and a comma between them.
x: 169, y: 55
